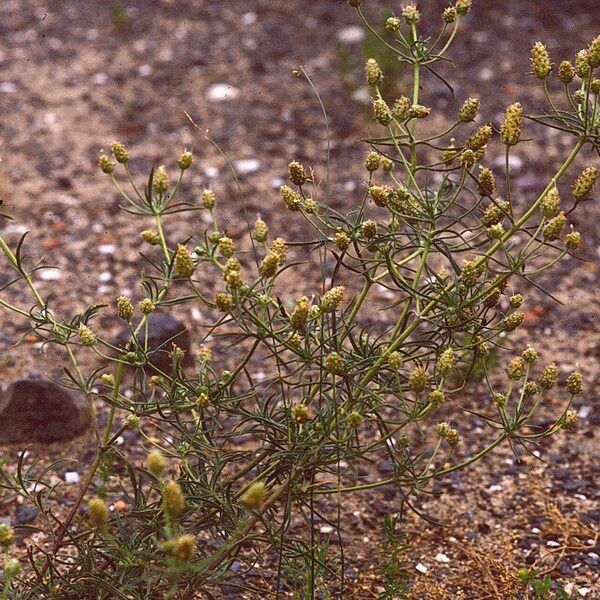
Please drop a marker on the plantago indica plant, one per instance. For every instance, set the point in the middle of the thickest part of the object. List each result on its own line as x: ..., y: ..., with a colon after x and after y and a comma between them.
x: 437, y: 228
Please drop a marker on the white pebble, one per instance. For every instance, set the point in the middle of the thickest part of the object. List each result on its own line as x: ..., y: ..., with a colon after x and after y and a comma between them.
x: 100, y: 78
x: 552, y: 544
x: 421, y: 568
x: 246, y: 166
x: 105, y: 276
x: 248, y: 18
x: 8, y: 87
x: 72, y: 477
x: 144, y: 70
x: 441, y: 557
x: 107, y: 248
x: 50, y: 274
x: 494, y: 488
x: 583, y: 591
x: 351, y: 35
x: 326, y: 529
x: 220, y: 92
x: 211, y: 172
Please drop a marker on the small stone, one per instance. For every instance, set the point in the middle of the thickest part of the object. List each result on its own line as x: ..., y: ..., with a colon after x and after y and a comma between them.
x: 583, y: 591
x: 552, y: 544
x: 50, y: 274
x: 442, y: 558
x: 245, y: 166
x: 326, y: 529
x: 107, y: 248
x: 26, y: 514
x: 8, y: 87
x: 72, y: 477
x: 421, y: 568
x: 221, y: 92
x: 351, y: 35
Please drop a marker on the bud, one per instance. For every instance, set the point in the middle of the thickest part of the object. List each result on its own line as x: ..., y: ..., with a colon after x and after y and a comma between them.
x: 516, y: 301
x: 150, y: 236
x: 495, y: 232
x: 463, y: 6
x: 297, y: 174
x: 411, y: 14
x: 566, y: 72
x: 516, y: 369
x: 160, y: 180
x: 529, y: 355
x: 387, y: 164
x: 269, y: 264
x: 570, y: 418
x: 417, y: 380
x: 382, y: 112
x: 226, y: 246
x: 436, y: 397
x: 393, y: 24
x: 574, y: 383
x: 540, y: 61
x: 530, y: 388
x: 184, y: 265
x: 132, y: 421
x: 208, y: 199
x: 582, y: 64
x: 401, y: 107
x: 261, y: 231
x: 595, y: 87
x: 185, y: 546
x: 119, y: 152
x: 279, y: 247
x: 548, y: 377
x: 107, y: 379
x: 468, y: 111
x: 185, y: 160
x: 7, y: 535
x: 146, y: 306
x: 512, y: 125
x: 372, y: 161
x: 573, y: 240
x: 255, y: 495
x: 550, y: 205
x: 373, y: 73
x: 332, y: 298
x: 418, y: 111
x: 173, y: 499
x: 380, y: 194
x: 334, y: 364
x: 512, y: 321
x: 292, y: 199
x: 310, y: 206
x: 468, y: 158
x: 585, y: 183
x: 98, y: 512
x: 300, y: 314
x: 446, y: 362
x: 499, y: 400
x: 593, y: 53
x: 448, y: 433
x: 342, y: 240
x: 223, y: 302
x: 301, y: 414
x: 449, y: 14
x: 106, y: 164
x: 86, y: 336
x: 486, y: 183
x: 395, y: 360
x: 554, y: 227
x: 202, y: 400
x: 124, y: 308
x: 495, y: 212
x: 369, y: 229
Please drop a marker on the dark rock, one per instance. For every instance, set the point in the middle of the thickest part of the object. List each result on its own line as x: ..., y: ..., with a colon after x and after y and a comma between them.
x: 35, y: 409
x: 164, y: 331
x: 26, y: 514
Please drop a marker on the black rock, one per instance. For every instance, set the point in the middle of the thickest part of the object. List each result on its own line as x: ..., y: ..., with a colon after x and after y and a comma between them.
x: 35, y: 409
x: 26, y: 514
x: 164, y: 330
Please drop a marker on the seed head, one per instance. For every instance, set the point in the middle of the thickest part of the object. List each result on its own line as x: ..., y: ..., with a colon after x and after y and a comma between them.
x: 124, y: 308
x: 86, y: 336
x: 279, y: 247
x: 369, y: 229
x: 7, y: 535
x: 512, y: 321
x: 394, y: 360
x: 185, y: 545
x: 418, y: 380
x: 401, y: 107
x: 548, y: 377
x: 479, y: 138
x: 463, y: 6
x: 471, y: 271
x: 226, y: 246
x: 468, y: 111
x: 512, y: 125
x: 297, y: 173
x: 300, y: 314
x: 418, y: 111
x: 354, y: 419
x: 516, y: 369
x: 208, y: 199
x: 292, y: 199
x: 106, y: 164
x: 486, y: 183
x: 185, y: 160
x: 382, y: 112
x: 184, y: 265
x: 223, y: 302
x: 107, y: 379
x: 150, y: 236
x: 146, y: 306
x: 98, y: 512
x: 530, y: 388
x: 529, y: 355
x: 550, y: 205
x: 570, y: 418
x: 373, y: 72
x: 495, y: 212
x: 582, y: 64
x: 132, y: 421
x: 342, y: 240
x: 573, y: 240
x: 495, y: 232
x: 468, y: 158
x: 436, y: 397
x: 499, y: 400
x: 372, y: 161
x: 255, y: 496
x: 540, y: 61
x: 393, y: 24
x: 595, y: 86
x: 160, y: 180
x: 301, y: 414
x: 449, y: 15
x: 310, y: 206
x: 593, y: 53
x: 119, y: 152
x: 585, y: 183
x: 574, y: 383
x: 334, y: 364
x: 554, y: 227
x: 202, y: 400
x: 268, y: 267
x: 446, y: 362
x: 380, y: 194
x: 331, y: 299
x: 448, y: 433
x: 173, y: 499
x: 515, y: 301
x: 411, y: 14
x: 387, y: 164
x: 566, y: 72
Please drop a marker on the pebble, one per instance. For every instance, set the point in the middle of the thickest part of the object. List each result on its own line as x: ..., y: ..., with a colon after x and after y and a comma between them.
x: 8, y: 87
x: 552, y: 544
x: 442, y: 558
x: 51, y: 274
x: 72, y: 477
x: 211, y: 172
x: 245, y: 166
x: 105, y: 276
x: 144, y: 70
x: 220, y: 92
x: 107, y: 248
x: 583, y: 591
x: 362, y: 95
x: 100, y: 78
x: 514, y: 162
x: 351, y: 35
x: 421, y: 568
x: 248, y: 18
x: 326, y: 529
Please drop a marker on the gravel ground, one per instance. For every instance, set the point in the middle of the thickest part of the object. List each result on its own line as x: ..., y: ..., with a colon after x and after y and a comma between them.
x: 74, y: 76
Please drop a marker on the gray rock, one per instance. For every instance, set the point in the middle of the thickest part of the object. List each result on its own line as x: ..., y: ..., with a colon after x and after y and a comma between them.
x: 35, y: 409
